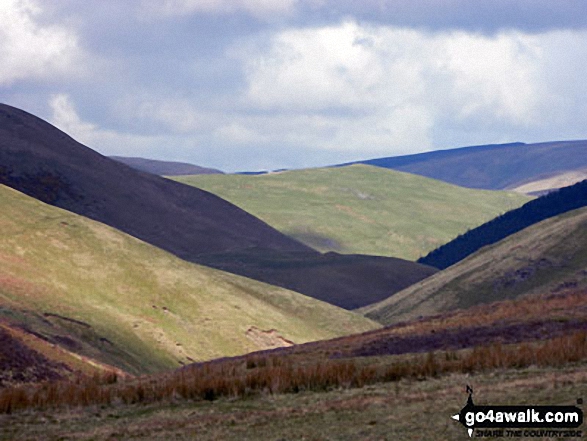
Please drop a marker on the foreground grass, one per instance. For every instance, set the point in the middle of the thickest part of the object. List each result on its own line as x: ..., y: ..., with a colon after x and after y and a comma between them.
x: 405, y: 410
x: 325, y: 390
x: 361, y: 209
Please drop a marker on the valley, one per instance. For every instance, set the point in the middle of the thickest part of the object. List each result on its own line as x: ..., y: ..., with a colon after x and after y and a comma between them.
x: 263, y: 220
x: 545, y: 258
x: 361, y: 209
x: 104, y: 295
x: 285, y: 304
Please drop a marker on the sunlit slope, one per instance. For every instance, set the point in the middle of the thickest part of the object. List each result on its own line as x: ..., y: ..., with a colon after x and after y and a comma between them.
x: 359, y: 208
x: 109, y: 296
x: 547, y: 257
x: 552, y: 182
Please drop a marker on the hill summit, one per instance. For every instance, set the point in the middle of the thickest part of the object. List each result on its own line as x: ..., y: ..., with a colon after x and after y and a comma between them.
x: 42, y: 161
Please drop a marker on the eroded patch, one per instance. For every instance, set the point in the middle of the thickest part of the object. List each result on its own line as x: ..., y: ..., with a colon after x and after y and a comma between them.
x: 267, y: 339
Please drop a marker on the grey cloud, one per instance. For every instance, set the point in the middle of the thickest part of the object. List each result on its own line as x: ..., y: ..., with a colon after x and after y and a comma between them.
x: 471, y: 15
x: 198, y: 62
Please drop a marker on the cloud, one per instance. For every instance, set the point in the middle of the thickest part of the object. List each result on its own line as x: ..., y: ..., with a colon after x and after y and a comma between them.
x: 108, y: 142
x: 237, y: 133
x: 384, y: 88
x: 256, y: 8
x: 165, y: 114
x: 239, y: 84
x: 488, y: 16
x: 66, y: 118
x: 31, y: 50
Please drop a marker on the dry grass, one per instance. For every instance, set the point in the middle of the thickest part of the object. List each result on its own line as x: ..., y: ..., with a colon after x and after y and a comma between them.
x: 407, y: 410
x: 564, y: 305
x: 274, y: 374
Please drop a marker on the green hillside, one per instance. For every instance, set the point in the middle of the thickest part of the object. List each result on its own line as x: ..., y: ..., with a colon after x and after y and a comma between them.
x: 361, y: 209
x: 106, y: 295
x: 550, y: 256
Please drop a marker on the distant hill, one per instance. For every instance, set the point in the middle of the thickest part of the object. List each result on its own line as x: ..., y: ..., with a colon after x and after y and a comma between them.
x: 495, y: 166
x: 361, y: 209
x: 165, y: 168
x: 552, y: 204
x: 546, y: 258
x: 91, y: 290
x: 42, y: 161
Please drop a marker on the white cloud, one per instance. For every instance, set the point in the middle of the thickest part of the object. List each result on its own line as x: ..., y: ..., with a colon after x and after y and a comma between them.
x: 200, y: 89
x: 315, y: 69
x: 497, y: 76
x: 384, y: 88
x: 66, y: 118
x: 29, y: 50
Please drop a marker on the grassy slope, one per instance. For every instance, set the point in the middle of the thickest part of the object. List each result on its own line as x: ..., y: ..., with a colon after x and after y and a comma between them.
x: 361, y: 209
x: 389, y: 408
x: 548, y: 256
x: 154, y: 309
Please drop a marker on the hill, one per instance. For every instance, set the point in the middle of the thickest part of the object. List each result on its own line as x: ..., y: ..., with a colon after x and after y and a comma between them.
x: 99, y: 293
x: 42, y: 161
x: 165, y: 168
x: 360, y: 209
x: 547, y: 257
x: 551, y: 183
x: 495, y: 166
x: 346, y: 280
x: 552, y: 204
x: 365, y: 386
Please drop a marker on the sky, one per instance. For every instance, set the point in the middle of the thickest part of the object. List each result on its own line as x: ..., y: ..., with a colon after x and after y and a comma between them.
x: 272, y: 84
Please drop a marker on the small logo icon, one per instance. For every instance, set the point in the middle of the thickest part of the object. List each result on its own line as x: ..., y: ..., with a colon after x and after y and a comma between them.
x: 557, y: 418
x: 469, y: 405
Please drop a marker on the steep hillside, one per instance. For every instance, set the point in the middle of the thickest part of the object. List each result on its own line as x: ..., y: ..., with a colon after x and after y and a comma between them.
x: 43, y: 162
x: 110, y: 297
x: 165, y: 168
x: 493, y: 167
x: 552, y: 204
x: 547, y: 257
x: 361, y: 209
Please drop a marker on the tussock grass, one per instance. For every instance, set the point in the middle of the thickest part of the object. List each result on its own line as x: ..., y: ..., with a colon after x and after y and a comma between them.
x: 272, y: 374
